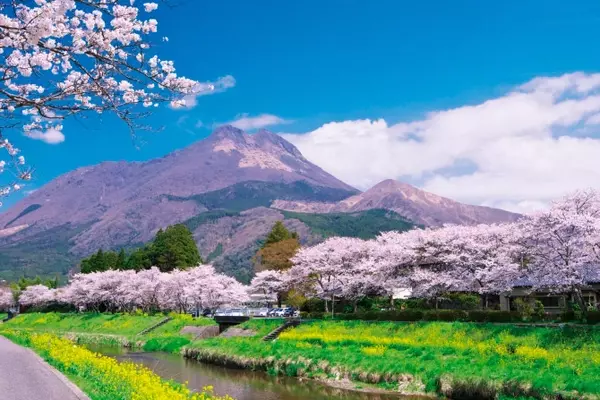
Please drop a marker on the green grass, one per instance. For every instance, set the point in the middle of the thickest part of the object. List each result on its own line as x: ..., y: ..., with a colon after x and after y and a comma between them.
x: 462, y: 357
x: 111, y: 324
x: 174, y: 326
x: 112, y: 329
x: 168, y: 337
x: 3, y: 315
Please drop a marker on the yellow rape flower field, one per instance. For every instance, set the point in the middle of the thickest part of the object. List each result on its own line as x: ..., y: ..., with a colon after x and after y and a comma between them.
x: 104, y: 378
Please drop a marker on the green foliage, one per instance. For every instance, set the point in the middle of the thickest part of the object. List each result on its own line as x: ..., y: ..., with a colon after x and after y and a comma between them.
x: 139, y: 259
x: 364, y: 224
x: 172, y: 248
x: 463, y: 301
x: 24, y: 283
x: 408, y: 315
x: 278, y: 233
x: 121, y: 260
x: 538, y: 310
x: 524, y: 308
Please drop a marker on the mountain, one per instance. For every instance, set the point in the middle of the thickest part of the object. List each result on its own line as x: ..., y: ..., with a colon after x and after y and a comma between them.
x: 415, y: 204
x: 123, y: 204
x: 128, y: 201
x: 229, y: 189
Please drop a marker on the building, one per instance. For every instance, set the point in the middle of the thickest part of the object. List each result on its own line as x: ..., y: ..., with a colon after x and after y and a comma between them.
x: 553, y: 302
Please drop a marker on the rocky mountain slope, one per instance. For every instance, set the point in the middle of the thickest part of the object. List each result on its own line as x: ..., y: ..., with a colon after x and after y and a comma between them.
x: 417, y: 205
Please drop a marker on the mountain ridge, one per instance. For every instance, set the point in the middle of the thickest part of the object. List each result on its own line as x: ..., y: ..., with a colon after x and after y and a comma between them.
x: 409, y: 201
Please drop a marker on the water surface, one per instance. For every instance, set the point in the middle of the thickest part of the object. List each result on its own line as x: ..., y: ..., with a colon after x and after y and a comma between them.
x: 240, y: 384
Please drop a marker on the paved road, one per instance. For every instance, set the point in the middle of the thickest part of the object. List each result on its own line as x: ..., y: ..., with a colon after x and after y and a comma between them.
x: 25, y: 376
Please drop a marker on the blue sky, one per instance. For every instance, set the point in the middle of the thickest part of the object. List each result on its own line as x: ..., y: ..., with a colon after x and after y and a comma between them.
x: 314, y: 62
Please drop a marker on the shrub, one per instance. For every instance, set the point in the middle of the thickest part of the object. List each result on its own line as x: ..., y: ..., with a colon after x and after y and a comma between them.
x: 445, y: 315
x: 461, y: 301
x: 524, y: 308
x: 313, y: 305
x: 538, y: 310
x: 493, y: 316
x: 568, y: 316
x: 414, y: 304
x: 593, y: 317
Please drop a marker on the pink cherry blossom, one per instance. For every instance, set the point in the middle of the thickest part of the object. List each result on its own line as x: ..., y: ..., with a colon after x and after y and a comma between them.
x: 59, y: 58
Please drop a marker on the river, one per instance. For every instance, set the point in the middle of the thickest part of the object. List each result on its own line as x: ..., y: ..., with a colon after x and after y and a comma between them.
x: 239, y: 384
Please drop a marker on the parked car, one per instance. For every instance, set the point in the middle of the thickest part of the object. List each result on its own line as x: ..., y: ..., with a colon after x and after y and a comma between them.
x: 273, y: 312
x: 261, y: 312
x: 288, y: 312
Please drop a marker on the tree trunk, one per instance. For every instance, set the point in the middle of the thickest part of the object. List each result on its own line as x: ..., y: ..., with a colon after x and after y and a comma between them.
x: 579, y: 300
x: 332, y: 306
x: 326, y: 306
x: 355, y: 306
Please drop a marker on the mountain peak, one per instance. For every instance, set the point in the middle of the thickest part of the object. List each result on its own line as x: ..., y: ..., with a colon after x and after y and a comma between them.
x: 228, y: 132
x: 391, y: 185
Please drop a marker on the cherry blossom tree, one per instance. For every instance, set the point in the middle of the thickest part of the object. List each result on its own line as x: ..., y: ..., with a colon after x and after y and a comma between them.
x: 37, y: 296
x: 149, y: 290
x: 339, y: 267
x: 269, y: 283
x: 6, y: 299
x: 60, y: 58
x: 561, y: 244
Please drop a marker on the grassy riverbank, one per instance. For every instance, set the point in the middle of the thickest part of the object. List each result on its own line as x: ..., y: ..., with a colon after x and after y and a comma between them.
x: 3, y: 315
x: 112, y: 329
x: 103, y: 378
x: 457, y: 359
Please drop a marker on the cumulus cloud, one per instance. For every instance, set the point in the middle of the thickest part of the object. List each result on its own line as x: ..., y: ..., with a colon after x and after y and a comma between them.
x: 50, y: 136
x: 245, y: 122
x: 206, y: 88
x: 517, y: 151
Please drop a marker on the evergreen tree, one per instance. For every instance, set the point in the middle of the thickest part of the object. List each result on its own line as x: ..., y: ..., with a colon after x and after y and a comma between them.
x: 139, y: 259
x: 276, y: 256
x: 279, y: 247
x: 174, y: 248
x: 121, y: 260
x: 278, y: 233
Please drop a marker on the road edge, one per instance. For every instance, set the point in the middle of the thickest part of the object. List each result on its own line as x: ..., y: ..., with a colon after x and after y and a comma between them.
x: 74, y: 388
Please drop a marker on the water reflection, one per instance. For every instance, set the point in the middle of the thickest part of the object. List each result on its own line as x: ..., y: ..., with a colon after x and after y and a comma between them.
x: 240, y: 384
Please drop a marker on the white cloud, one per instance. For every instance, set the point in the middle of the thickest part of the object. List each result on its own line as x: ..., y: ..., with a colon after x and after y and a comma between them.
x: 199, y: 124
x: 523, y: 149
x: 245, y: 122
x: 50, y: 136
x: 206, y: 88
